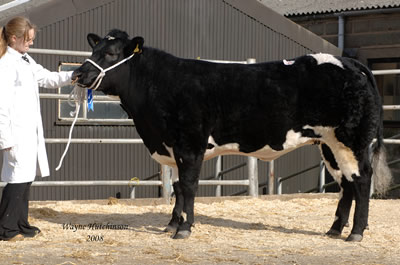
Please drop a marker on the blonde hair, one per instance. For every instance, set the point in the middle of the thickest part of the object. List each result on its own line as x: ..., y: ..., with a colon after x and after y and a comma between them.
x: 18, y: 26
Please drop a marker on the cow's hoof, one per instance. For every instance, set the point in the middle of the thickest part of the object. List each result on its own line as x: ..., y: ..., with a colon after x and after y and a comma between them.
x: 333, y: 233
x: 182, y: 234
x: 354, y: 238
x: 170, y: 229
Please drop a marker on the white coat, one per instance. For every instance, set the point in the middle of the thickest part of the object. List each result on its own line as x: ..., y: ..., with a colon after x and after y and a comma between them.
x: 20, y: 119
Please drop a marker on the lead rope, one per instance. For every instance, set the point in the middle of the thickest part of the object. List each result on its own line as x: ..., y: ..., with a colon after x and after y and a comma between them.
x: 78, y: 94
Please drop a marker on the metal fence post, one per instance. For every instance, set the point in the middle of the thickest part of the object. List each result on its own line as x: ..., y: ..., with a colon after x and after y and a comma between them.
x: 271, y: 178
x: 322, y: 177
x: 252, y: 161
x: 218, y: 176
x: 279, y: 186
x: 253, y: 176
x: 133, y: 192
x: 166, y: 183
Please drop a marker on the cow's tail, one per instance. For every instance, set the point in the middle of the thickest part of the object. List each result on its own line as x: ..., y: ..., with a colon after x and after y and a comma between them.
x: 382, y: 176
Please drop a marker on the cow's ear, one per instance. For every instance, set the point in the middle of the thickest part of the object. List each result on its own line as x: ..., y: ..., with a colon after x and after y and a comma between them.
x: 137, y: 44
x: 93, y: 39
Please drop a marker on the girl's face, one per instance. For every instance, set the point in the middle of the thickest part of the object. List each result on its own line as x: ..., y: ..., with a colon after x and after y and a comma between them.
x: 20, y: 44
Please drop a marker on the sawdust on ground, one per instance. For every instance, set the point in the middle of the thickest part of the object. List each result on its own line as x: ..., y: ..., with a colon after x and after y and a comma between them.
x: 266, y: 230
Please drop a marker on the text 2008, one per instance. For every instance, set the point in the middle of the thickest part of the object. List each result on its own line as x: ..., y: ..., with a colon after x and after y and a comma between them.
x: 94, y: 238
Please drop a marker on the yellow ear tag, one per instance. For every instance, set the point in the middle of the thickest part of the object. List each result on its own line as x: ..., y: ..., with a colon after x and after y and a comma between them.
x: 136, y: 50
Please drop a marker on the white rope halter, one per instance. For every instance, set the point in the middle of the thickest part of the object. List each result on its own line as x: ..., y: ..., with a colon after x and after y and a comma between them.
x: 78, y: 93
x: 102, y: 73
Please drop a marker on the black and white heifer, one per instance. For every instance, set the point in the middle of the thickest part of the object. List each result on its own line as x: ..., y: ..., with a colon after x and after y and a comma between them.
x: 188, y: 111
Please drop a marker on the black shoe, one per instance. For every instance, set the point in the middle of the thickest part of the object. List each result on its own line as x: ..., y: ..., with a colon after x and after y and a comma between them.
x: 17, y: 237
x: 35, y: 232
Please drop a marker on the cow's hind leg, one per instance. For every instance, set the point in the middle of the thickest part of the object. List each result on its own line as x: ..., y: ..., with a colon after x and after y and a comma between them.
x: 361, y: 189
x: 346, y: 198
x: 356, y: 182
x: 343, y: 209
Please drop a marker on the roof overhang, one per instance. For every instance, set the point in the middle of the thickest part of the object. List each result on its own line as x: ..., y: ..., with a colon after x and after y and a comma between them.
x: 286, y: 27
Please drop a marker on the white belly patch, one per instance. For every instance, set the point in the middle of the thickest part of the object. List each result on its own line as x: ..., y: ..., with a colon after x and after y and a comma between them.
x: 293, y: 141
x: 344, y: 156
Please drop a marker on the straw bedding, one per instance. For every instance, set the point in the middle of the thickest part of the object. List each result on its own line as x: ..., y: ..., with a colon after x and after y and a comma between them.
x: 266, y: 230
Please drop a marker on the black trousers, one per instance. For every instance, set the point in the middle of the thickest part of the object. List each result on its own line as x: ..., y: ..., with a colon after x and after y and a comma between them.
x: 14, y: 208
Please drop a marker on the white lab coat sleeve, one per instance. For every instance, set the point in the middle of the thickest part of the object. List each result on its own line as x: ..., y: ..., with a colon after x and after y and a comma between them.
x: 48, y: 79
x: 7, y: 77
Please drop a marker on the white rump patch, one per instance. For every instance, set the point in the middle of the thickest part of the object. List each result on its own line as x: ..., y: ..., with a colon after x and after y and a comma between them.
x: 336, y: 174
x: 326, y: 58
x: 344, y: 156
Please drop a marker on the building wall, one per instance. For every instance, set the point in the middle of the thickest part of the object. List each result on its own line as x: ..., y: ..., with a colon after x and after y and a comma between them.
x: 208, y: 29
x: 366, y: 36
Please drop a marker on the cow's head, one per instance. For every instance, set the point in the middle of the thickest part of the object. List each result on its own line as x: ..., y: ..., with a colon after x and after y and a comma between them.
x: 109, y: 51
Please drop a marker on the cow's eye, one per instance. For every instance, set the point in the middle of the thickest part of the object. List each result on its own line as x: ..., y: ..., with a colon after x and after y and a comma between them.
x: 112, y: 55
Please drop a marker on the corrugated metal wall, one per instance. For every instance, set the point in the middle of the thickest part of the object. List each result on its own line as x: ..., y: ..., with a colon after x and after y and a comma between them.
x: 209, y: 29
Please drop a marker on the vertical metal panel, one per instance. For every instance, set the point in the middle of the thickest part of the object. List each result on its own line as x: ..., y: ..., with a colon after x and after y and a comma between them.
x: 210, y: 29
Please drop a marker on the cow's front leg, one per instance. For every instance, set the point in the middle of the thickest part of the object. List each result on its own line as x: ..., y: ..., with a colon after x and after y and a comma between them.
x: 189, y: 165
x: 343, y: 209
x: 189, y: 191
x: 177, y: 211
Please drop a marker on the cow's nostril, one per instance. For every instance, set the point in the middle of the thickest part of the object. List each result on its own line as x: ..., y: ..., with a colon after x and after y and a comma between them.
x: 75, y: 76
